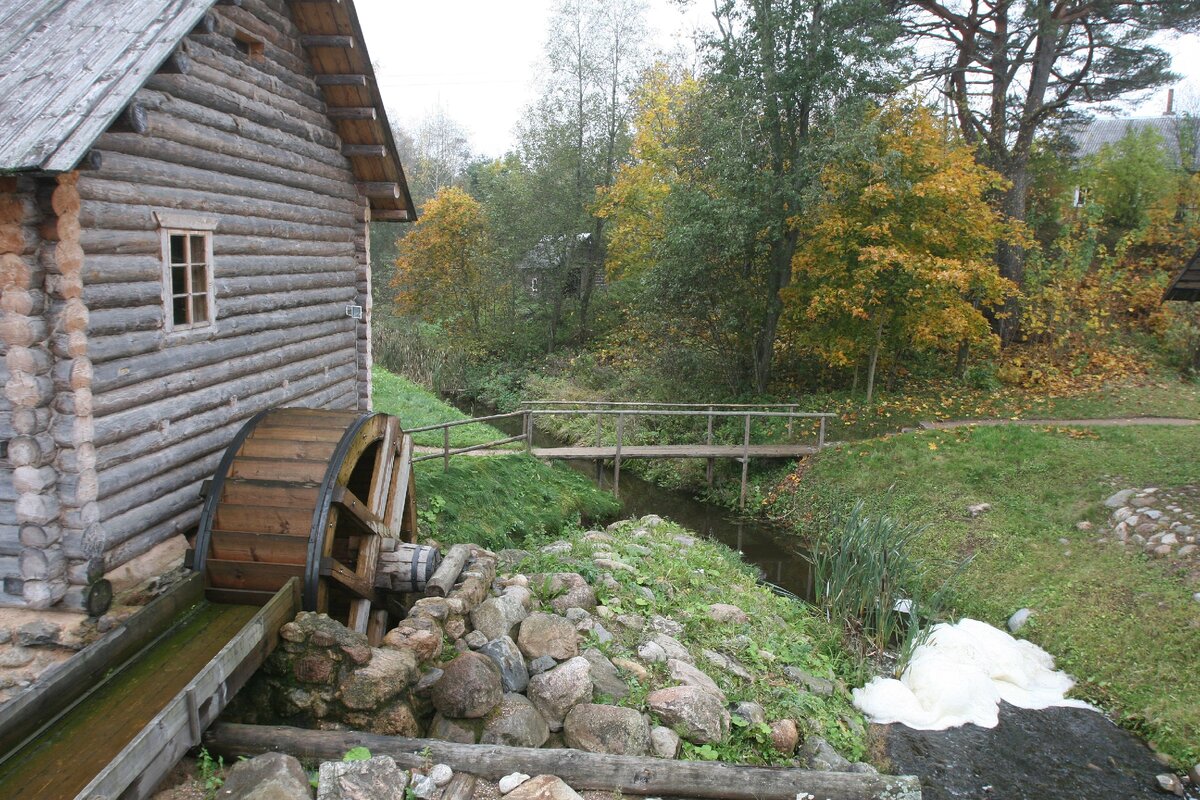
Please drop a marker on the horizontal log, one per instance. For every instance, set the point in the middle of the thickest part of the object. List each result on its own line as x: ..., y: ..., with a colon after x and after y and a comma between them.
x: 218, y: 74
x: 268, y: 77
x: 177, y: 63
x: 341, y: 80
x: 321, y: 40
x: 446, y: 575
x: 389, y: 215
x: 133, y: 119
x: 118, y: 242
x: 119, y: 216
x: 283, y: 302
x: 272, y: 27
x: 122, y: 295
x: 635, y: 775
x: 101, y: 269
x: 110, y: 321
x: 353, y: 112
x: 364, y: 150
x: 379, y: 189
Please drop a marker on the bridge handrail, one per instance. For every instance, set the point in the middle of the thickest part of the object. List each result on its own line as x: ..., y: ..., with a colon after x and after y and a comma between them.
x: 657, y: 413
x: 648, y: 405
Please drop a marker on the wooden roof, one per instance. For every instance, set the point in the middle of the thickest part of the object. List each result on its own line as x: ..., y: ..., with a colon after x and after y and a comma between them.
x: 68, y: 68
x: 1186, y: 285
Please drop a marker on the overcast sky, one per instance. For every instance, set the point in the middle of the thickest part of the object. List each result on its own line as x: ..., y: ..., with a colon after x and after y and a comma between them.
x: 478, y: 59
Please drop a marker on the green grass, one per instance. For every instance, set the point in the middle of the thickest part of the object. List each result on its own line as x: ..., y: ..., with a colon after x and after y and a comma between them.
x: 683, y: 582
x: 503, y: 501
x: 1118, y: 622
x: 417, y: 407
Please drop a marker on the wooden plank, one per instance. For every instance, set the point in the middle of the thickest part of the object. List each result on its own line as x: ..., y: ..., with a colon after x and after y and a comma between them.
x: 633, y: 775
x: 278, y: 469
x: 273, y: 548
x: 142, y: 764
x: 270, y: 447
x: 268, y: 493
x: 360, y: 515
x: 320, y: 40
x: 461, y: 787
x: 297, y: 433
x: 296, y: 521
x: 238, y: 597
x: 255, y: 576
x: 54, y: 690
x: 340, y: 80
x: 364, y: 151
x: 368, y: 560
x: 355, y: 112
x: 381, y: 477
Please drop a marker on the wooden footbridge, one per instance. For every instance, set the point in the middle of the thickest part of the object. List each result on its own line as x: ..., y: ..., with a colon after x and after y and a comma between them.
x: 613, y: 441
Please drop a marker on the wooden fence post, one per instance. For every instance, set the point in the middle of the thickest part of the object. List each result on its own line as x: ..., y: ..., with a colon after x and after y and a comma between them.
x: 791, y: 419
x: 709, y: 470
x: 599, y: 444
x: 446, y: 449
x: 528, y: 431
x: 745, y: 462
x: 617, y: 460
x: 821, y: 435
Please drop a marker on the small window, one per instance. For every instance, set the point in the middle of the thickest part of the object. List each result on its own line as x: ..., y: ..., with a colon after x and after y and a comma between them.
x: 1081, y: 197
x: 187, y: 270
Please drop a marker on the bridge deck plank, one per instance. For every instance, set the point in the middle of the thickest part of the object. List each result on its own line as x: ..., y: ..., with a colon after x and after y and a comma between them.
x: 677, y: 451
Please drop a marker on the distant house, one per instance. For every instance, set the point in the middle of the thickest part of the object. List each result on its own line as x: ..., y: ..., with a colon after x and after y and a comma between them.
x: 185, y: 187
x: 559, y: 261
x: 1186, y: 286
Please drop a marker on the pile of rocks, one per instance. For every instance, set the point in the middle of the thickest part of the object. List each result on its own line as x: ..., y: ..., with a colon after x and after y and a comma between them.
x: 32, y: 645
x: 532, y: 660
x: 1164, y: 523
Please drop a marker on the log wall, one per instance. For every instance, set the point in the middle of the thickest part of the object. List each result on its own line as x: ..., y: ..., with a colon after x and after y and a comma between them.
x: 246, y: 142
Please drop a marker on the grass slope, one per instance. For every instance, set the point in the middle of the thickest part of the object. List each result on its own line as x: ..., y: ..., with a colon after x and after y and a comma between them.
x: 494, y: 501
x: 1125, y: 628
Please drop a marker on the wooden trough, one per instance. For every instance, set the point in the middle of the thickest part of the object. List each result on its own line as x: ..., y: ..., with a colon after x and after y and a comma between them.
x: 323, y: 496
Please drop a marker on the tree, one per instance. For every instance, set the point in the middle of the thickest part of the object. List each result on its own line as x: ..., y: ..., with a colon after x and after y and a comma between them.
x: 1009, y: 67
x: 1128, y: 178
x: 897, y: 253
x: 442, y: 153
x: 778, y: 68
x: 445, y: 271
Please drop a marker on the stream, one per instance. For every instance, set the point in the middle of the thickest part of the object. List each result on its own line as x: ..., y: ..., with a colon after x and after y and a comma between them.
x: 760, y: 543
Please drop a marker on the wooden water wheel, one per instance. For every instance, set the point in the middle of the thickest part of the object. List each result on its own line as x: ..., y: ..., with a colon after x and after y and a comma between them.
x: 313, y: 494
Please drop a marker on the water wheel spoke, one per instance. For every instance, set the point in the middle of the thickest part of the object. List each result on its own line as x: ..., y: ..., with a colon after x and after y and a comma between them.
x: 355, y: 583
x: 381, y: 477
x: 360, y: 515
x: 401, y: 513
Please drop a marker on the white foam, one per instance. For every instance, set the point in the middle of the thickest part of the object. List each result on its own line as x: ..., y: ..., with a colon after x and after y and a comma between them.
x: 960, y: 675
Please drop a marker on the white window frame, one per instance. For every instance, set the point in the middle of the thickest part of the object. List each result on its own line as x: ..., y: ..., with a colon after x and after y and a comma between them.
x: 174, y: 223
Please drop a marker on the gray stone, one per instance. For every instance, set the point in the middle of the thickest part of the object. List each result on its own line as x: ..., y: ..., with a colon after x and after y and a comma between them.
x: 39, y: 633
x: 377, y: 778
x: 749, y: 712
x: 548, y: 635
x: 664, y: 742
x: 606, y: 729
x: 685, y: 541
x: 557, y: 548
x: 461, y: 731
x: 650, y: 521
x: 1169, y: 783
x: 557, y: 691
x: 540, y: 664
x: 1119, y: 499
x: 1141, y: 502
x: 577, y: 615
x: 497, y: 616
x: 423, y: 787
x: 631, y: 622
x: 613, y: 564
x: 515, y: 723
x: 728, y: 663
x: 725, y: 613
x: 6, y: 634
x: 470, y: 688
x: 520, y: 594
x: 600, y: 632
x: 1153, y: 514
x: 651, y: 653
x: 1122, y: 514
x: 809, y: 682
x: 570, y: 590
x: 698, y: 715
x: 543, y: 787
x: 606, y: 682
x: 1194, y: 774
x: 1018, y: 619
x: 270, y: 776
x: 818, y: 754
x: 666, y: 625
x: 514, y: 676
x: 671, y: 646
x: 441, y: 774
x: 476, y: 640
x: 511, y: 781
x: 1169, y: 538
x: 425, y: 684
x: 979, y: 508
x: 14, y: 657
x: 388, y: 673
x: 688, y: 675
x: 510, y: 558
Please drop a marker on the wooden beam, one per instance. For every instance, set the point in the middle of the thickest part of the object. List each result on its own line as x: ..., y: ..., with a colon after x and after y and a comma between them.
x: 364, y: 150
x: 445, y: 576
x: 362, y: 516
x: 176, y: 64
x: 340, y: 80
x: 347, y: 577
x: 133, y: 119
x: 389, y: 215
x: 352, y: 112
x: 323, y: 40
x: 379, y: 189
x: 206, y: 25
x: 631, y: 775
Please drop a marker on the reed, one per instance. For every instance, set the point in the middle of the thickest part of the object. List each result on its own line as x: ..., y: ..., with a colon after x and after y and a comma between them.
x: 419, y: 351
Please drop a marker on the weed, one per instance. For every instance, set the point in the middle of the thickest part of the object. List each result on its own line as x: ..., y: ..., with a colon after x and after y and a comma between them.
x: 212, y: 773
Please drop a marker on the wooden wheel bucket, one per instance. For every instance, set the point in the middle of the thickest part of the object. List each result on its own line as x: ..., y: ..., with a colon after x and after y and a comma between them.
x: 311, y: 494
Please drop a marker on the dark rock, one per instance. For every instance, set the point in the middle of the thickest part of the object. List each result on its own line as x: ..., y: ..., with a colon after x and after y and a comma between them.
x: 516, y: 723
x: 514, y: 676
x: 606, y: 682
x: 606, y: 729
x: 39, y: 633
x: 809, y: 682
x: 749, y: 712
x: 462, y: 731
x: 470, y: 687
x: 818, y: 754
x: 270, y: 776
x: 424, y: 686
x: 539, y: 665
x: 1166, y: 782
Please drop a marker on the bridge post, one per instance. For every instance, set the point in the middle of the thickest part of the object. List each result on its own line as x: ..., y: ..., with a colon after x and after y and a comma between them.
x: 446, y: 449
x: 599, y: 444
x: 745, y: 462
x: 528, y: 420
x: 617, y: 459
x: 821, y: 435
x: 711, y: 460
x: 791, y: 419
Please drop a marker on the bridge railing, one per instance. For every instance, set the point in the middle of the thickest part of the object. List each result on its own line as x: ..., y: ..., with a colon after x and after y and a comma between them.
x: 526, y: 436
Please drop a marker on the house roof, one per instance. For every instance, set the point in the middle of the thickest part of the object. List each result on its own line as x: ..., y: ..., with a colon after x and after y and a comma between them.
x: 1186, y: 285
x: 1091, y: 137
x: 69, y: 67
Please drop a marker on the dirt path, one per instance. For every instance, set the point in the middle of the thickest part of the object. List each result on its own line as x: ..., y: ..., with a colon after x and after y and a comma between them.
x: 1087, y: 423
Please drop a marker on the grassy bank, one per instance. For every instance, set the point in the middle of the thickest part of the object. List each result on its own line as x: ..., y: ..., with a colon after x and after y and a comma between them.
x: 1125, y: 628
x: 494, y: 501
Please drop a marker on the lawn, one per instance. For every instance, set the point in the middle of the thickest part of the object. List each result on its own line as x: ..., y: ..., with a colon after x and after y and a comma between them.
x: 1128, y: 630
x: 417, y: 407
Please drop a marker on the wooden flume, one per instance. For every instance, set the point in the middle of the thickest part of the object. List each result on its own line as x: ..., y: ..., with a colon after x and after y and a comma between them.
x: 323, y: 496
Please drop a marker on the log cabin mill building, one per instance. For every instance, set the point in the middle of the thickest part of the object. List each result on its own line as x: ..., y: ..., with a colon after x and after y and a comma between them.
x: 185, y: 188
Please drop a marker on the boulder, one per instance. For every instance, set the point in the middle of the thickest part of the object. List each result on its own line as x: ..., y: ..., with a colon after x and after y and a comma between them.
x: 723, y: 612
x: 606, y: 682
x: 388, y: 673
x: 514, y: 675
x: 423, y: 787
x: 1119, y: 499
x: 568, y: 590
x: 557, y: 691
x: 728, y: 663
x: 785, y: 736
x: 606, y: 729
x: 749, y: 712
x: 666, y: 625
x: 39, y: 633
x: 271, y: 776
x: 695, y: 713
x: 424, y: 643
x: 516, y: 723
x: 548, y: 635
x: 640, y: 673
x: 540, y: 664
x: 808, y: 681
x: 395, y: 719
x: 376, y: 778
x: 664, y: 742
x: 671, y: 646
x: 543, y: 787
x: 651, y: 653
x: 470, y: 687
x: 462, y: 731
x: 496, y: 617
x: 688, y: 675
x: 819, y: 754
